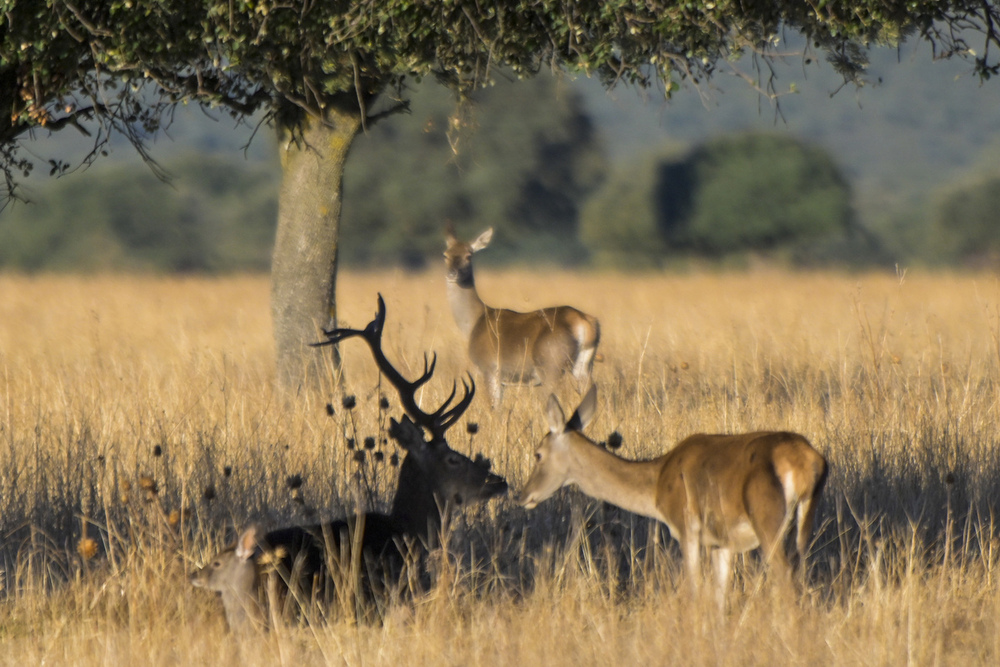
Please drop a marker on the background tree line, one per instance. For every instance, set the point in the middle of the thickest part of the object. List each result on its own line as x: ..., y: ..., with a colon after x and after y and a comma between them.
x: 527, y: 158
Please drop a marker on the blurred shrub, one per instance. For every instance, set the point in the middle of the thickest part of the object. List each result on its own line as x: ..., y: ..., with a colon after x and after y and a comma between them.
x: 520, y: 156
x: 621, y: 224
x: 759, y: 193
x: 214, y: 215
x: 965, y: 227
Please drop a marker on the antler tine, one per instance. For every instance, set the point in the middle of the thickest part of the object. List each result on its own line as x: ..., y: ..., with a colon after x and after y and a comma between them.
x: 337, y: 335
x: 436, y: 422
x: 375, y: 326
x: 428, y: 371
x: 445, y: 419
x: 370, y: 332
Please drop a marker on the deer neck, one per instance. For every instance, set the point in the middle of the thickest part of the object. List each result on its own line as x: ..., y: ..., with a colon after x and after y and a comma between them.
x: 243, y: 609
x: 415, y: 509
x: 600, y: 474
x: 465, y: 303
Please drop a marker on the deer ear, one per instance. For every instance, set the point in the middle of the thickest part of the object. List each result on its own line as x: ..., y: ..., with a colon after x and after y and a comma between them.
x: 449, y: 234
x: 482, y: 240
x: 557, y: 421
x: 584, y: 412
x: 246, y: 544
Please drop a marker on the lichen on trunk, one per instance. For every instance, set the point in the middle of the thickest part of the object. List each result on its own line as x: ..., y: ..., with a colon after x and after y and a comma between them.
x: 304, y: 264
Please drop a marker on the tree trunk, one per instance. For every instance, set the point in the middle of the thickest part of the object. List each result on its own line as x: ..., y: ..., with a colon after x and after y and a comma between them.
x: 304, y: 265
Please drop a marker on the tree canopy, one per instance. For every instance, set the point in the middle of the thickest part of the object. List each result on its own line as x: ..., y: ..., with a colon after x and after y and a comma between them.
x: 126, y: 63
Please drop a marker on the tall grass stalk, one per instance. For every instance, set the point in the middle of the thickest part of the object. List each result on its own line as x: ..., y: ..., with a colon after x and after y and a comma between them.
x: 139, y: 429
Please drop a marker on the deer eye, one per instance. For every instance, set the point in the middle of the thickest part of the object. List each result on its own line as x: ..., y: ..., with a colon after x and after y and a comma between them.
x: 538, y: 456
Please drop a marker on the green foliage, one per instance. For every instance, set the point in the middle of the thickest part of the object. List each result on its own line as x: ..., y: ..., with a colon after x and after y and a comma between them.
x: 754, y: 192
x: 215, y: 215
x: 965, y: 227
x: 620, y: 224
x: 758, y: 192
x: 124, y: 64
x: 519, y: 157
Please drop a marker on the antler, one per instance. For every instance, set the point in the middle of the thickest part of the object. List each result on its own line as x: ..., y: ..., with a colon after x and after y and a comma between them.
x: 436, y: 422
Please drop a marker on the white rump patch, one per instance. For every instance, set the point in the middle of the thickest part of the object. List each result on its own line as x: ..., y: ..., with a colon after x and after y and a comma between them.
x: 788, y: 484
x: 582, y: 365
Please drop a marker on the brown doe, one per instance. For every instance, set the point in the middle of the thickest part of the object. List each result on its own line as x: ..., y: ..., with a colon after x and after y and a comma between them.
x: 434, y: 480
x: 727, y: 493
x: 510, y: 347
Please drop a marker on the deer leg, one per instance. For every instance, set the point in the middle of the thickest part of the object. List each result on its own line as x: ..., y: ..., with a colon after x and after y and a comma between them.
x: 583, y: 368
x: 690, y: 539
x: 495, y: 385
x: 722, y: 563
x: 806, y: 514
x: 769, y: 516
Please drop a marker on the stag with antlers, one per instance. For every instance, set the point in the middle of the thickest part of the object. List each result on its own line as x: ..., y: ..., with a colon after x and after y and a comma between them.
x: 433, y: 481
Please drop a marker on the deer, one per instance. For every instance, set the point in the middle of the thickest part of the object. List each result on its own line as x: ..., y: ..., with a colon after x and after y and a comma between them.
x: 434, y: 481
x: 509, y: 347
x: 724, y: 493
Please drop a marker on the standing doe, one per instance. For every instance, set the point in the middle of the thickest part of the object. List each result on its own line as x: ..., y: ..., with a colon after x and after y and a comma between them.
x: 433, y: 481
x: 510, y: 347
x: 727, y: 493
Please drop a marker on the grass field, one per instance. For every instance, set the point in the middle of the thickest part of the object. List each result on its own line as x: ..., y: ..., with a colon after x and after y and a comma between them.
x: 139, y: 428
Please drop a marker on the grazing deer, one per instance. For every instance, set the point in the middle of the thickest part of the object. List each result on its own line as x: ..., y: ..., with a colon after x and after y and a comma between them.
x: 510, y: 347
x: 433, y: 481
x: 727, y: 493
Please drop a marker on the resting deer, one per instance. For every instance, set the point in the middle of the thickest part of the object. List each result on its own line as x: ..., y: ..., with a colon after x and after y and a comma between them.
x: 727, y: 493
x: 516, y: 348
x: 433, y: 481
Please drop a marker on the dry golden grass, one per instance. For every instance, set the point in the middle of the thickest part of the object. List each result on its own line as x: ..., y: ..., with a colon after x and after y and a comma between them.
x: 138, y: 424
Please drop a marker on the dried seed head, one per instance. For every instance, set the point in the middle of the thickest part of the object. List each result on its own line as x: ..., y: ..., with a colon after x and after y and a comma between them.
x: 148, y: 484
x: 359, y: 455
x: 369, y: 443
x: 157, y: 450
x: 294, y: 481
x: 348, y: 402
x: 227, y: 471
x: 329, y: 409
x: 87, y: 548
x: 614, y: 440
x: 208, y: 495
x: 383, y: 403
x: 350, y: 443
x: 379, y: 457
x: 176, y: 516
x: 270, y: 560
x: 472, y: 428
x: 394, y: 460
